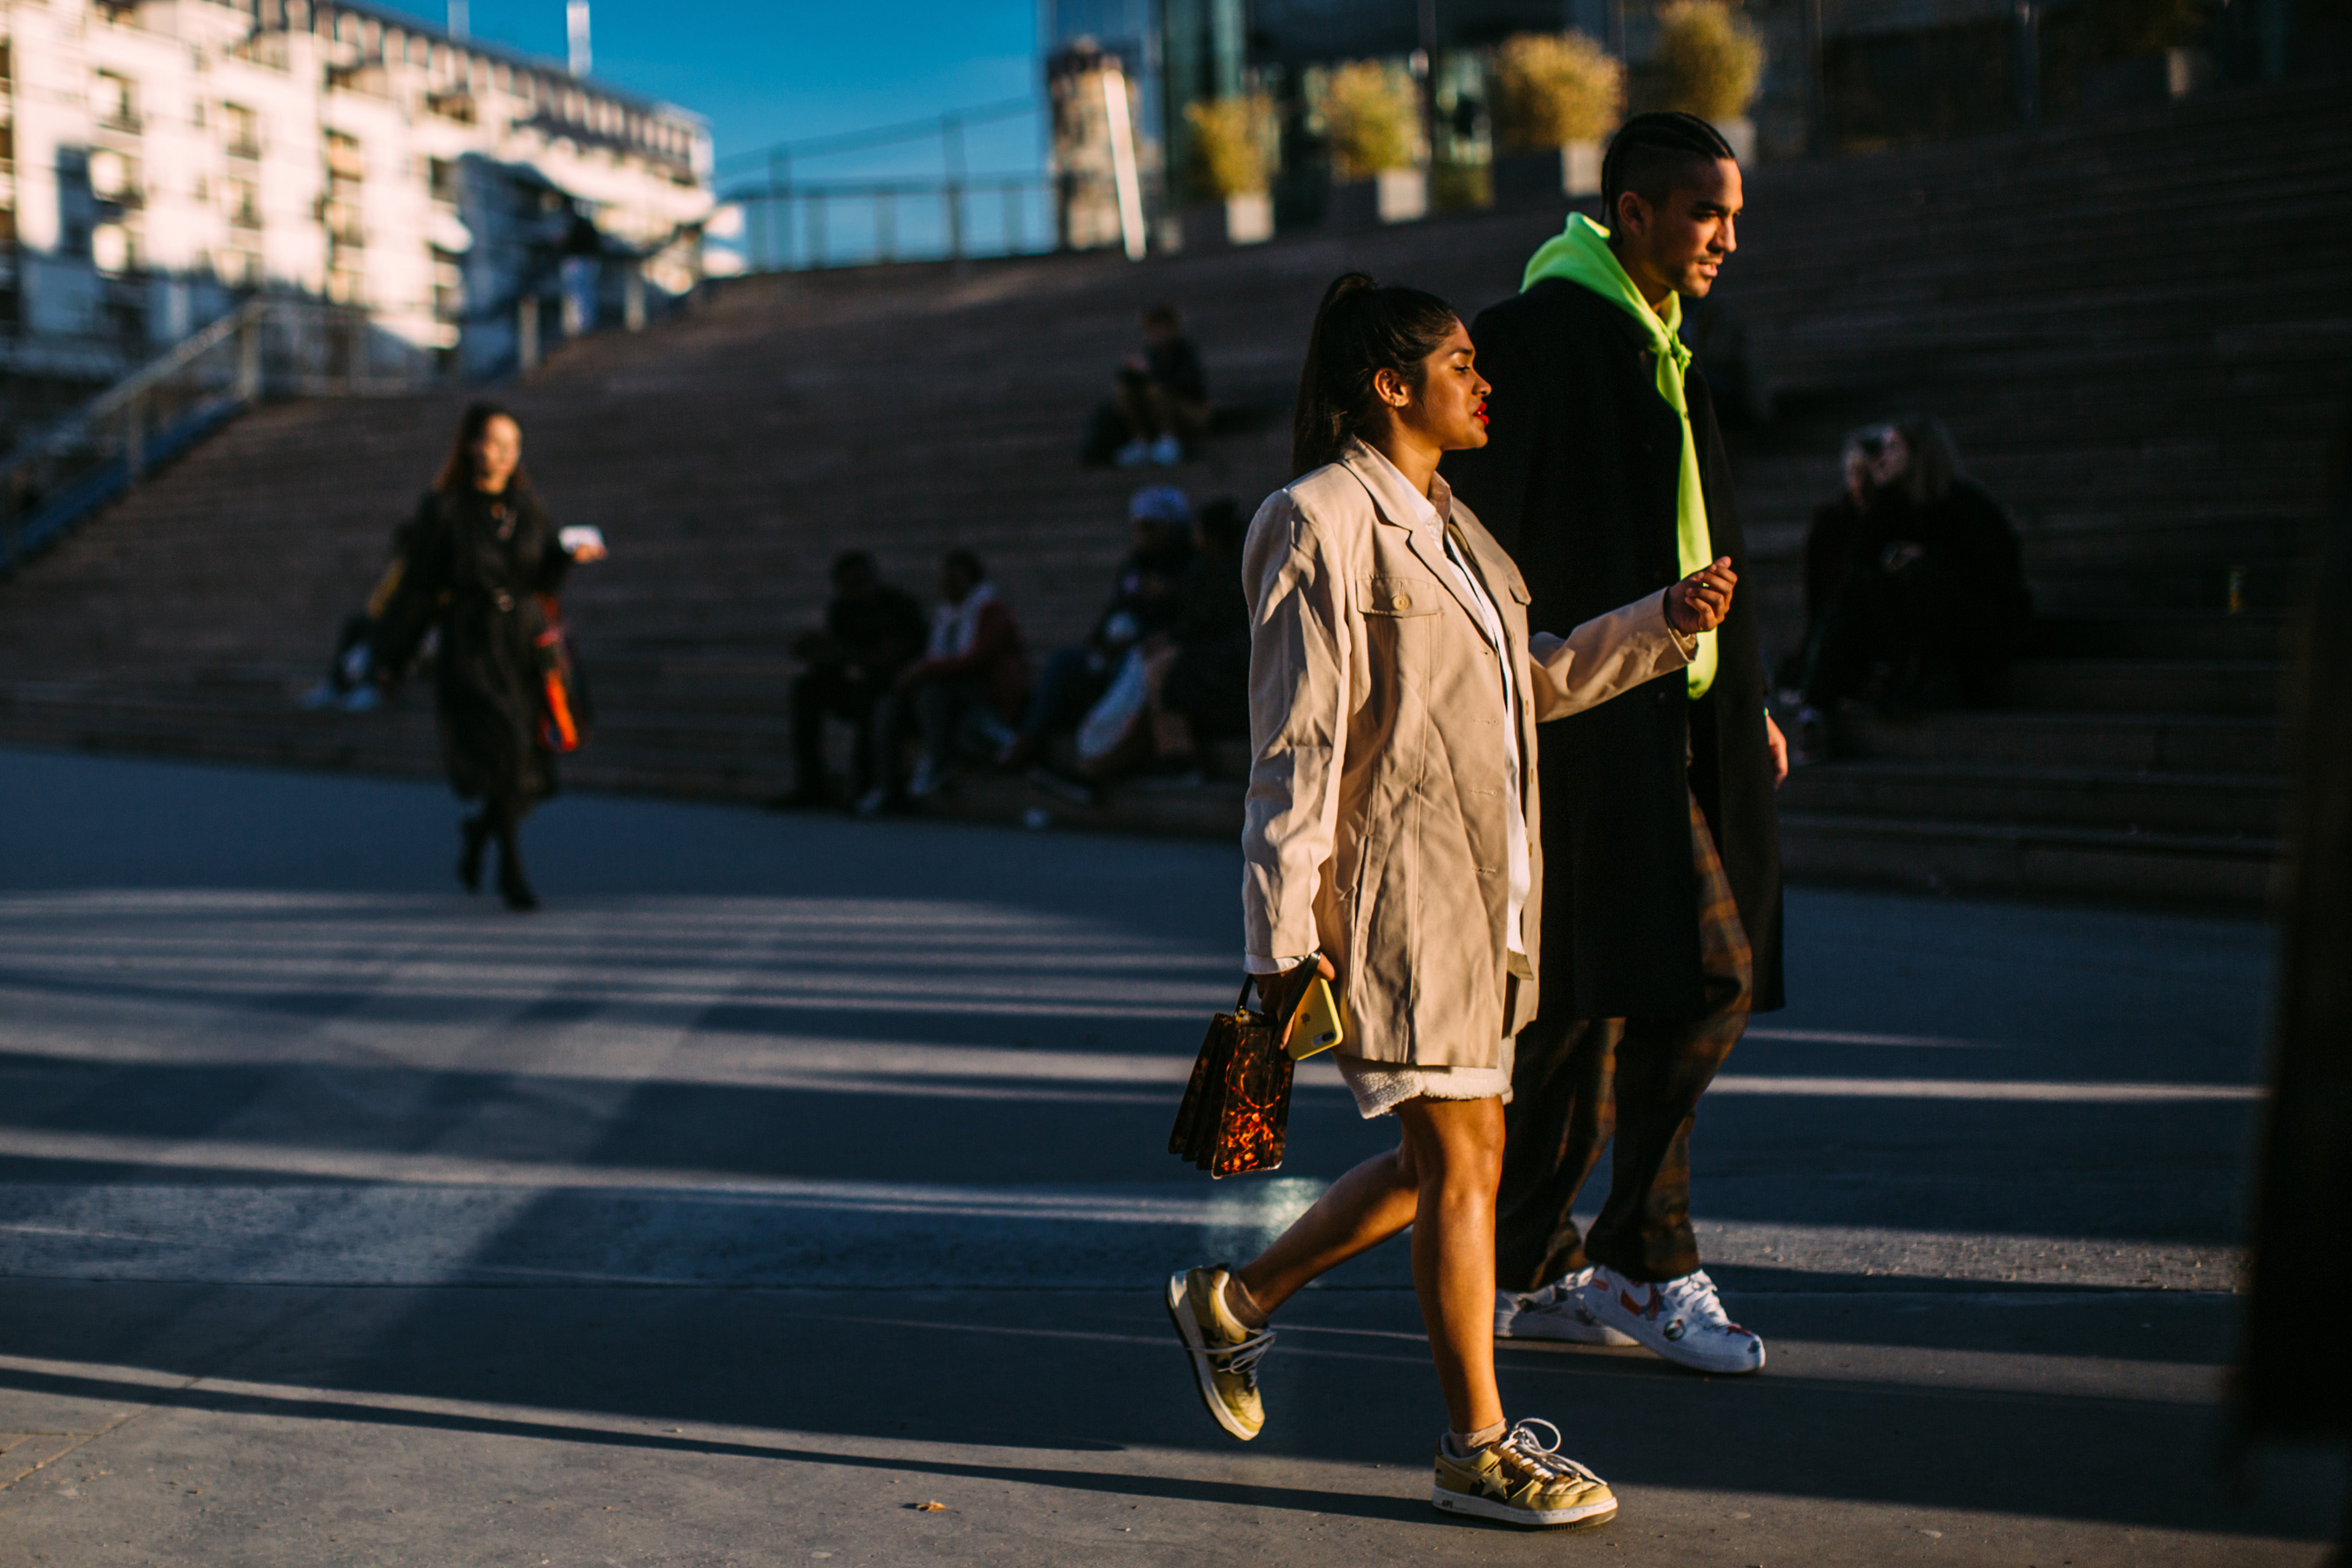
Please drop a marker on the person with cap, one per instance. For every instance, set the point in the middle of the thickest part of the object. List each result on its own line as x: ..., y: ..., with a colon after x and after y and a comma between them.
x: 1146, y: 600
x: 1605, y: 476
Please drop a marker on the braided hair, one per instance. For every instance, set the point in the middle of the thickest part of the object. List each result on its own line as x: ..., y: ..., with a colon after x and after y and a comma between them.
x: 1647, y: 153
x: 1360, y: 330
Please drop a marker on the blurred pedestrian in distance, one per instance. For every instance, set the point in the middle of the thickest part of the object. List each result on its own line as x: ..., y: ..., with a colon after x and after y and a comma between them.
x: 482, y: 562
x: 1915, y: 589
x: 871, y: 632
x: 964, y: 694
x: 1160, y: 402
x: 1145, y: 602
x: 1204, y: 695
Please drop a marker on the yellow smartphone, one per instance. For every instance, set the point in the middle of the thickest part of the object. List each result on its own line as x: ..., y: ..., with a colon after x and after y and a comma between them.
x: 1317, y: 1025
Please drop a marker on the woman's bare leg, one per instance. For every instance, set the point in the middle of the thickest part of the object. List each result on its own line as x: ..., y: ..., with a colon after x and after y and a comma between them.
x: 1441, y: 1181
x: 1456, y: 1145
x: 1355, y: 1213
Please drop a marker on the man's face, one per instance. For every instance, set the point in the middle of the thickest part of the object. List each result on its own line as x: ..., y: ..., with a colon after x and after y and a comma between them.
x: 1159, y: 332
x: 855, y: 582
x: 1682, y: 242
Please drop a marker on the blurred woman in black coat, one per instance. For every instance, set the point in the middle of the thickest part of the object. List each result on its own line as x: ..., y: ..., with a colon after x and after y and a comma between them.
x: 478, y: 555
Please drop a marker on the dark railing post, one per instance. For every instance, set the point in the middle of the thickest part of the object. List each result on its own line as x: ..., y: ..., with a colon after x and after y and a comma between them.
x: 816, y: 228
x: 2029, y: 61
x: 885, y: 224
x: 249, y: 357
x: 134, y: 436
x: 780, y: 206
x: 1011, y: 219
x: 951, y: 154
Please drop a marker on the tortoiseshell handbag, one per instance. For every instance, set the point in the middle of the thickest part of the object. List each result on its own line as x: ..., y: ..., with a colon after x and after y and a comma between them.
x: 1236, y: 1105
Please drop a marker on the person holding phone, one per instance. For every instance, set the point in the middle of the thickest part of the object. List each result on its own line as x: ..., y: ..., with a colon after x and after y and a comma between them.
x: 479, y: 555
x: 1392, y: 846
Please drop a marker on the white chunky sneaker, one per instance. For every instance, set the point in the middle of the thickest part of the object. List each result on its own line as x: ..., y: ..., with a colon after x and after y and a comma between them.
x: 1556, y: 1311
x: 1682, y: 1320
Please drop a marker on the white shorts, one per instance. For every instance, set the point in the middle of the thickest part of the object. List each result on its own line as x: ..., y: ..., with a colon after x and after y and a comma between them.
x: 1381, y: 1086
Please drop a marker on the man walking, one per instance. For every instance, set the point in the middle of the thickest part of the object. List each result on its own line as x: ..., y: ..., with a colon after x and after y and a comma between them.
x: 1605, y: 476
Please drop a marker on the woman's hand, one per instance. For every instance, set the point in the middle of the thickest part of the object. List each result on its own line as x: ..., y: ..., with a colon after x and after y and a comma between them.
x: 1700, y: 601
x: 586, y: 552
x: 1279, y: 994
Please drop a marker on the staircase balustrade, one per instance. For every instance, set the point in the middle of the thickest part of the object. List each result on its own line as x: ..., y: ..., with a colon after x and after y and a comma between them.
x: 266, y: 348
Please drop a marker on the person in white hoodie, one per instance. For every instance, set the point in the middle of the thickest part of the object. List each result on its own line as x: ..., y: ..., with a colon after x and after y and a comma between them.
x: 965, y: 692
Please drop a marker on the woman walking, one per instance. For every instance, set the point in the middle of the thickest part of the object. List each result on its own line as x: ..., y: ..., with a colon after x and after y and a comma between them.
x: 1392, y: 843
x: 478, y: 556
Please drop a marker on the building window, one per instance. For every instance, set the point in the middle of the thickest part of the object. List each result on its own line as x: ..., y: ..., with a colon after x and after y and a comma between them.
x: 244, y: 128
x: 244, y: 205
x: 116, y: 101
x: 113, y: 249
x: 441, y: 179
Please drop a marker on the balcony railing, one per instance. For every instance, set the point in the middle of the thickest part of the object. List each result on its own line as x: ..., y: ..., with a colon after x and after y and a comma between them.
x: 803, y: 227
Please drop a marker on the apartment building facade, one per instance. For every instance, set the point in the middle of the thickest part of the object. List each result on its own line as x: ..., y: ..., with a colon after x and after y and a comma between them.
x: 165, y: 158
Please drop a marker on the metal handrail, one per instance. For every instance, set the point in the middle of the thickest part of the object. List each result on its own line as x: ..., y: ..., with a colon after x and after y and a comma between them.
x: 164, y: 407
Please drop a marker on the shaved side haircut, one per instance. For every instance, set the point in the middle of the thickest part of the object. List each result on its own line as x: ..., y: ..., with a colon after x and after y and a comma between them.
x: 1652, y: 154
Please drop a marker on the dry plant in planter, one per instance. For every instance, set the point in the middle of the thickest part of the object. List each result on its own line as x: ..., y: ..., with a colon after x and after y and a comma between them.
x: 1556, y: 88
x: 1372, y: 118
x: 1709, y: 59
x: 1233, y: 145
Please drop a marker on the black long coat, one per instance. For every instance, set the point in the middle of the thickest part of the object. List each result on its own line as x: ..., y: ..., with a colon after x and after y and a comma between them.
x: 474, y: 565
x: 1578, y: 481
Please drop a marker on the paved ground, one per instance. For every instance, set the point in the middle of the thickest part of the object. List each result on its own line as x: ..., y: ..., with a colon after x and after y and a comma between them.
x: 787, y: 1173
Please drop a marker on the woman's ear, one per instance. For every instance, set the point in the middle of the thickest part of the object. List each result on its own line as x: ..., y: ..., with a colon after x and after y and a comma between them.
x: 1391, y: 388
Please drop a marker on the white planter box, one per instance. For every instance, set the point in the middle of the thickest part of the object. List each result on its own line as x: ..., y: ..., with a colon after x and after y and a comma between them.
x: 1741, y: 133
x: 1249, y: 220
x: 1404, y: 195
x: 1579, y: 168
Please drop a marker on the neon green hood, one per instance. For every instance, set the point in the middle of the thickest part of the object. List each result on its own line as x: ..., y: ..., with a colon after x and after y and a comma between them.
x: 1581, y: 254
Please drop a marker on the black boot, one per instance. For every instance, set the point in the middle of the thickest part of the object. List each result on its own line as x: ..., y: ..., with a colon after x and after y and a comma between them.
x: 513, y: 886
x: 476, y: 832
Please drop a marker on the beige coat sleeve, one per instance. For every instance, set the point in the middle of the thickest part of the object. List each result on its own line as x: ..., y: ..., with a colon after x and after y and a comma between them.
x: 1606, y: 657
x: 1298, y: 708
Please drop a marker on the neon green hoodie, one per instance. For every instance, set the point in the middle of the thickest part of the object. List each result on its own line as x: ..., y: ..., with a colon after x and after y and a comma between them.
x: 1581, y: 254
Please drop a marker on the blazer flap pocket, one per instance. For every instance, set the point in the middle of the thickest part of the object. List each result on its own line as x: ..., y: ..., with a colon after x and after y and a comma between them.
x: 1399, y: 596
x: 1518, y: 590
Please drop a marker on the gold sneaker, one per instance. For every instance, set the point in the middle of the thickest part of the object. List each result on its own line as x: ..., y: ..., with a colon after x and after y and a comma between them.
x: 1224, y: 1352
x: 1520, y: 1481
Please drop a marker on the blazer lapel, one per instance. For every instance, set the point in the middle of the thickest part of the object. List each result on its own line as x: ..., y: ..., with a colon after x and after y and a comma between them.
x: 1372, y: 471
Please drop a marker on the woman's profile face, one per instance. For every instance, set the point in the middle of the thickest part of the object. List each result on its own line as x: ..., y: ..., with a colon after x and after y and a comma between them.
x: 496, y: 451
x: 1448, y: 409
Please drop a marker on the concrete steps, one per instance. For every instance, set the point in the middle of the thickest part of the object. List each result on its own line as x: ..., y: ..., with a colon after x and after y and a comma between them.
x: 2133, y: 327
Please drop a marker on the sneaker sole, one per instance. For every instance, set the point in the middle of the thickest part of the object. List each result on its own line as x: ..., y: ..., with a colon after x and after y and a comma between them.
x: 1672, y: 1351
x: 1552, y: 1331
x: 1196, y: 1350
x: 1488, y: 1507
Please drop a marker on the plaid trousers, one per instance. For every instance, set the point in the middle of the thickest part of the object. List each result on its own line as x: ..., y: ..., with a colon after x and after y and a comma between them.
x: 1578, y: 1081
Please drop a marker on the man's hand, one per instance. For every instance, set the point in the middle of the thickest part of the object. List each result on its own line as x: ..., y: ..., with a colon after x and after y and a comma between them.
x: 1777, y: 744
x: 1700, y: 601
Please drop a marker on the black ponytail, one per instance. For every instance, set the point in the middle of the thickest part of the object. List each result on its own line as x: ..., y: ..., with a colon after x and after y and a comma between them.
x: 1360, y: 330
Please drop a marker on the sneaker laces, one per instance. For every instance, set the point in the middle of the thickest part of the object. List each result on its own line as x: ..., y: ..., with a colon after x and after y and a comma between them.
x: 1568, y: 1287
x: 1242, y: 1359
x: 1694, y: 1297
x: 1521, y: 1449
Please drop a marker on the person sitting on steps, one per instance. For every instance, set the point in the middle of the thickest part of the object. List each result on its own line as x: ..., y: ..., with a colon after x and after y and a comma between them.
x: 1162, y: 393
x: 964, y: 694
x: 871, y: 631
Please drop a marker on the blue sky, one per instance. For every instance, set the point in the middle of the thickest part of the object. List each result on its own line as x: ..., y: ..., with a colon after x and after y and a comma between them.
x: 763, y: 73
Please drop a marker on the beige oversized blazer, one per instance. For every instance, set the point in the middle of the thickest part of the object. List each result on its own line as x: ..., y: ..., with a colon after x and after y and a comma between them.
x: 1376, y: 826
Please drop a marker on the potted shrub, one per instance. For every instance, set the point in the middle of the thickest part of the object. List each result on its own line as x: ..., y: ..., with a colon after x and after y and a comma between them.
x: 1557, y: 97
x: 1710, y: 62
x: 1371, y: 119
x: 1233, y: 159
